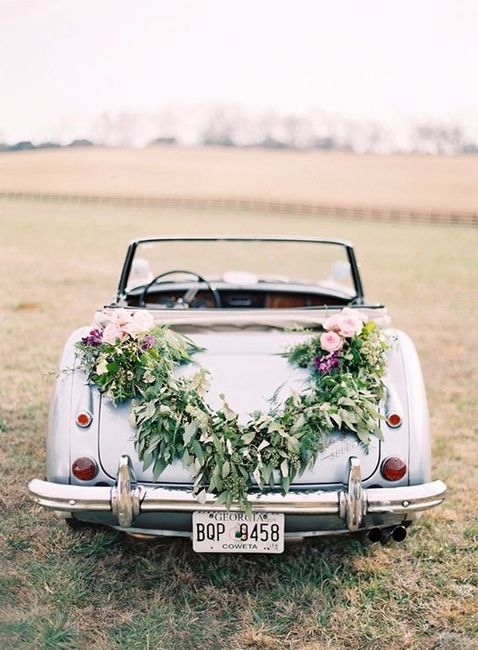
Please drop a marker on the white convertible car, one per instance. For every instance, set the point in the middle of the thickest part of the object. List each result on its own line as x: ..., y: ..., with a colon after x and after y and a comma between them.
x: 240, y: 391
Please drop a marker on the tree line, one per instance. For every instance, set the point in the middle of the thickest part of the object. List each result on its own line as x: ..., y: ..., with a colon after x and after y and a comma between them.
x: 228, y: 126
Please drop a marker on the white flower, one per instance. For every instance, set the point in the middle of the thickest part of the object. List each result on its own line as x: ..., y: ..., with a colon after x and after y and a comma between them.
x: 101, y: 366
x: 148, y: 376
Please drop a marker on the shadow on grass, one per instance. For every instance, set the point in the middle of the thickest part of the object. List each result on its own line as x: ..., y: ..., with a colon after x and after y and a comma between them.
x: 205, y: 598
x: 314, y: 560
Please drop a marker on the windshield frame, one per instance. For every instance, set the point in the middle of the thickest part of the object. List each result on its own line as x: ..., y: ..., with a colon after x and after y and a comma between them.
x: 131, y: 251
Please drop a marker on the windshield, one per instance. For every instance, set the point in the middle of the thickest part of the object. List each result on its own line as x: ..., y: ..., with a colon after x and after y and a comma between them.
x: 244, y: 262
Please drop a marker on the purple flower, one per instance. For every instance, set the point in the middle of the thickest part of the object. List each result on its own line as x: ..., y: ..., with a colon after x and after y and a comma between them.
x: 94, y: 338
x: 327, y: 362
x: 148, y: 342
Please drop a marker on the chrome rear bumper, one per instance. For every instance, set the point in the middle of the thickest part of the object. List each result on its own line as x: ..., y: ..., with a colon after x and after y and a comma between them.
x: 127, y: 499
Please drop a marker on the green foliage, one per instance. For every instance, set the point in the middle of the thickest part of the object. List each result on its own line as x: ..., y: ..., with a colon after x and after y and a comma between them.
x: 225, y: 457
x: 127, y: 369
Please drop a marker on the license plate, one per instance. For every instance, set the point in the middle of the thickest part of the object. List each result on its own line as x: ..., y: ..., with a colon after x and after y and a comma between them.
x: 237, y: 532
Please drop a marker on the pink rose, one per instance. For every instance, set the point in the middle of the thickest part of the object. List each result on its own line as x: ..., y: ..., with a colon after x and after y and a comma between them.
x: 100, y: 320
x: 139, y: 323
x: 121, y: 317
x: 349, y: 325
x: 331, y: 342
x: 112, y: 333
x: 331, y: 323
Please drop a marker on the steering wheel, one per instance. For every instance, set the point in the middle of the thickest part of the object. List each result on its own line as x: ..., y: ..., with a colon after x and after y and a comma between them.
x: 190, y: 293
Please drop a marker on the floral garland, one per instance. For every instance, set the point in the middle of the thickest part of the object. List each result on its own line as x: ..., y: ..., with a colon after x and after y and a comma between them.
x: 129, y: 358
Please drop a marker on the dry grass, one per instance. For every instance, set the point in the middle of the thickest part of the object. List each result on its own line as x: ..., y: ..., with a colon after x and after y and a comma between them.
x: 64, y: 590
x: 443, y: 183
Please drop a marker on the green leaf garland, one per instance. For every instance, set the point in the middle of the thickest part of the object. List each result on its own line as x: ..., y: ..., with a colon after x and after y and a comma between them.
x: 225, y: 457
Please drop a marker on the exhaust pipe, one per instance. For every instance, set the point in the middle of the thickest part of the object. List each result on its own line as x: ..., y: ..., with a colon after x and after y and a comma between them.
x: 375, y: 535
x: 383, y: 535
x: 399, y: 533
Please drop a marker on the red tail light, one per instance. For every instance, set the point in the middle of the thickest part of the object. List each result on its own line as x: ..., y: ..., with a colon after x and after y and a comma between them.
x: 84, y: 419
x: 394, y: 419
x: 84, y: 468
x: 393, y: 468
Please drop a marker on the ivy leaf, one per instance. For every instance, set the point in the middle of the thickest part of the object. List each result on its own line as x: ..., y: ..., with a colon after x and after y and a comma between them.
x: 298, y: 424
x: 159, y: 466
x: 147, y: 459
x: 226, y: 468
x: 198, y: 450
x: 337, y: 419
x: 346, y: 401
x: 349, y: 415
x: 247, y: 438
x: 349, y: 424
x: 217, y: 445
x: 363, y: 436
x: 257, y: 475
x: 285, y: 482
x: 222, y: 498
x: 226, y: 409
x: 202, y: 496
x: 266, y: 473
x: 153, y: 442
x: 132, y: 419
x: 196, y: 467
x: 189, y: 431
x: 215, y: 483
x: 149, y: 411
x: 284, y: 468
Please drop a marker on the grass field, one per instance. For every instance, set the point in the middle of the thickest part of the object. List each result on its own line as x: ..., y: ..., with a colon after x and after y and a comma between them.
x: 59, y: 589
x: 411, y: 182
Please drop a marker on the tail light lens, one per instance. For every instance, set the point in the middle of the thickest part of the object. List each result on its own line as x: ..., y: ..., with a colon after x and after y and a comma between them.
x: 84, y: 419
x: 84, y: 468
x: 394, y: 419
x: 393, y: 468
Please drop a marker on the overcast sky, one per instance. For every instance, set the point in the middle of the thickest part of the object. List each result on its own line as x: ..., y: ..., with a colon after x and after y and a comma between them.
x: 373, y: 59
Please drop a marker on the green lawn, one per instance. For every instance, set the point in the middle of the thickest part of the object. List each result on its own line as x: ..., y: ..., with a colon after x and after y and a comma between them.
x: 59, y: 589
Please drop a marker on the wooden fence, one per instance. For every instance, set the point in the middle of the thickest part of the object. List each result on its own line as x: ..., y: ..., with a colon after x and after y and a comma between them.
x: 461, y: 218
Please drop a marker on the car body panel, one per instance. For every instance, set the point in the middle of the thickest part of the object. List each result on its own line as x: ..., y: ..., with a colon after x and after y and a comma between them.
x: 244, y: 351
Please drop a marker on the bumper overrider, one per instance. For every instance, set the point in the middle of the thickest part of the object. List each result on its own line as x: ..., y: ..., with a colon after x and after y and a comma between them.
x: 127, y: 499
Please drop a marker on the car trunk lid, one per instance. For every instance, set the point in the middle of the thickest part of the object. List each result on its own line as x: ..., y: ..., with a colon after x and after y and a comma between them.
x: 249, y: 369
